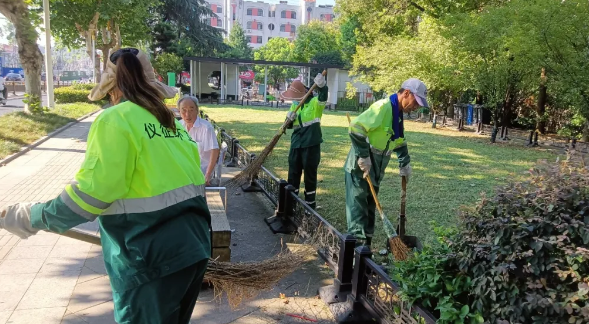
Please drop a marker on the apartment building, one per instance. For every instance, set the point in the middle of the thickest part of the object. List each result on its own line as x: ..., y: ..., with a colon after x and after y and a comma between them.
x: 263, y: 20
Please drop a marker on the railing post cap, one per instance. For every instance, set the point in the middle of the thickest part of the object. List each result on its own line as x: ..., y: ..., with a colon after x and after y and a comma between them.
x: 363, y: 250
x: 348, y: 237
x: 290, y: 187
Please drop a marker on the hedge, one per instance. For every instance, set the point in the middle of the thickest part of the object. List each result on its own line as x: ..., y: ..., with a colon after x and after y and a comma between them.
x: 72, y: 94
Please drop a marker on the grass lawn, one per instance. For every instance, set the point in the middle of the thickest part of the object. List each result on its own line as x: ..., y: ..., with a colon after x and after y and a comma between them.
x: 450, y: 169
x: 19, y: 129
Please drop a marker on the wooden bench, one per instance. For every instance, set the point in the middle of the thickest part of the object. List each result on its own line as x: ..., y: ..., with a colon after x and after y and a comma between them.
x: 221, y: 236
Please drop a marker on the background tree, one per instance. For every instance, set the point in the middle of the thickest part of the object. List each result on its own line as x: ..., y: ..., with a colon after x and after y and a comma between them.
x: 167, y: 62
x: 238, y: 44
x: 315, y: 38
x: 113, y: 22
x: 25, y: 19
x: 189, y: 19
x: 277, y: 49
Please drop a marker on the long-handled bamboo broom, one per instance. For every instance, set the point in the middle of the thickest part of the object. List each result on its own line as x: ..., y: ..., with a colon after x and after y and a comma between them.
x: 254, y: 167
x: 238, y: 281
x: 396, y: 245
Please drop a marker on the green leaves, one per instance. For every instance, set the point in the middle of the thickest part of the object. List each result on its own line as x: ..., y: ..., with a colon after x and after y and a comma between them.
x: 507, y: 264
x: 315, y: 38
x: 165, y: 63
x: 277, y: 49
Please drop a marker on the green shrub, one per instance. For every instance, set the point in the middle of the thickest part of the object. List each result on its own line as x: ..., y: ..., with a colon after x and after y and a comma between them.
x: 71, y: 95
x: 520, y: 257
x: 83, y: 86
x: 430, y: 279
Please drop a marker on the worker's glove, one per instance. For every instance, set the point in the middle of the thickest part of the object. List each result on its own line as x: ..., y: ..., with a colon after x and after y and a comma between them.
x: 320, y: 80
x: 365, y: 164
x: 405, y: 171
x: 17, y: 220
x: 291, y: 116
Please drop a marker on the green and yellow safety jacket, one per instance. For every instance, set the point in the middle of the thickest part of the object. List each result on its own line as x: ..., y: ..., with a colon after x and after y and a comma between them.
x: 144, y: 184
x: 307, y: 125
x: 378, y: 132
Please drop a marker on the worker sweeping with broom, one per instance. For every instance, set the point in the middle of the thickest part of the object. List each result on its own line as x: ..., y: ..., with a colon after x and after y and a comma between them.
x: 375, y: 135
x: 141, y: 179
x: 306, y: 139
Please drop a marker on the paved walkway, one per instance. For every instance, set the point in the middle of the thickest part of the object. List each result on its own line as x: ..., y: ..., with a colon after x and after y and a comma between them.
x: 53, y: 279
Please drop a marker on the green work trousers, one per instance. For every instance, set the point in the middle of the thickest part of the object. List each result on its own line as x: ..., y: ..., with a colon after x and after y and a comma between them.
x: 360, y: 204
x: 168, y: 300
x: 305, y: 160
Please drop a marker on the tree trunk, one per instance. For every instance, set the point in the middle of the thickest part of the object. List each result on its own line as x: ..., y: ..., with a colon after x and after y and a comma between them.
x: 585, y: 137
x: 111, y: 40
x: 541, y: 109
x: 87, y: 35
x: 29, y: 54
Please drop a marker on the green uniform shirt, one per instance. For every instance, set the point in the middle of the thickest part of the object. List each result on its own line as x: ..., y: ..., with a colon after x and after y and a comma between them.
x: 144, y: 184
x: 307, y: 125
x: 378, y: 132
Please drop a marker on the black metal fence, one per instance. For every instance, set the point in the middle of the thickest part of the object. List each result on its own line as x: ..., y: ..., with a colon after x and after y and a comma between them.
x: 361, y: 290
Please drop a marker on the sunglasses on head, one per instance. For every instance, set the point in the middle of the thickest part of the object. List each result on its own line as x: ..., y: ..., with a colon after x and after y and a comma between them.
x: 115, y: 56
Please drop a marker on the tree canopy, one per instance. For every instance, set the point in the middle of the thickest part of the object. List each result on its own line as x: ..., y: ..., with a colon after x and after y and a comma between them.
x: 277, y: 49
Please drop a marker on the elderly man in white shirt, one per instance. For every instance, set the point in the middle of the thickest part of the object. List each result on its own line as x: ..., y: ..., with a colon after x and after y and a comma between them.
x: 202, y: 132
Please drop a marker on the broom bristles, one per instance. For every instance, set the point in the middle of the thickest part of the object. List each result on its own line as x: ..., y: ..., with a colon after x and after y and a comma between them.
x: 254, y: 166
x: 245, y: 280
x: 399, y: 249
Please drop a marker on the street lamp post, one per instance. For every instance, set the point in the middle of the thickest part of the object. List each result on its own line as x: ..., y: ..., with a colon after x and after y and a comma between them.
x: 48, y: 58
x: 93, y: 57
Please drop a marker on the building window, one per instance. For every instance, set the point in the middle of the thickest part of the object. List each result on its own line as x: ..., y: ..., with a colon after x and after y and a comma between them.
x: 219, y: 9
x: 326, y: 17
x: 255, y: 12
x: 255, y: 39
x: 288, y: 14
x: 219, y: 23
x: 271, y: 26
x: 272, y: 13
x: 288, y: 28
x: 256, y: 25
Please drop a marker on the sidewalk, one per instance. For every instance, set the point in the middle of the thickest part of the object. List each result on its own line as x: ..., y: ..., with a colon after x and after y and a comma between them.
x: 53, y: 279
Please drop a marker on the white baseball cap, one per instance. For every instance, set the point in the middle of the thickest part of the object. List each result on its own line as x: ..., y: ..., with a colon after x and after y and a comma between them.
x: 418, y: 89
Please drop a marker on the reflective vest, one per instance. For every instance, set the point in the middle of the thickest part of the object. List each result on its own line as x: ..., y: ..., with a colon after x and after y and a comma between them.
x: 307, y: 125
x: 144, y: 184
x: 376, y: 124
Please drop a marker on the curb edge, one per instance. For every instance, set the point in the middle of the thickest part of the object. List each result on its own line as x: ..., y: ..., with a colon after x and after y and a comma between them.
x: 43, y: 139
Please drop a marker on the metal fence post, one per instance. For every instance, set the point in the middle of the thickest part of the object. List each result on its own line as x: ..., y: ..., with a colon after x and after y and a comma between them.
x: 536, y: 140
x: 279, y: 222
x: 342, y: 284
x: 354, y: 312
x: 253, y: 185
x: 233, y: 162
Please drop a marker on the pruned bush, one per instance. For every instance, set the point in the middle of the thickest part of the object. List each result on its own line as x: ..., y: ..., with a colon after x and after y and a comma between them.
x: 520, y: 257
x: 71, y: 94
x: 83, y: 86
